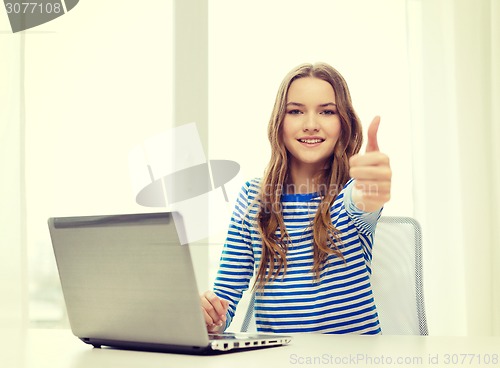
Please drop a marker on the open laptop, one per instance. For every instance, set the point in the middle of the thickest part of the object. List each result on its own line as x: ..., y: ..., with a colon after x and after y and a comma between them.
x: 128, y: 282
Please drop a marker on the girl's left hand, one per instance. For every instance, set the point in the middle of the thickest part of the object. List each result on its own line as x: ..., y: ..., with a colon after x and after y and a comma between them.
x: 372, y: 174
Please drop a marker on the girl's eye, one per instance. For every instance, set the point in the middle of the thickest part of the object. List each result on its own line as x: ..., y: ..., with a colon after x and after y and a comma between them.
x: 328, y: 112
x: 294, y: 112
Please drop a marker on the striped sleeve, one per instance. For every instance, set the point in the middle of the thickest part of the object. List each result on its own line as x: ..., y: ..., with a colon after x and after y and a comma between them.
x: 237, y: 259
x: 365, y: 222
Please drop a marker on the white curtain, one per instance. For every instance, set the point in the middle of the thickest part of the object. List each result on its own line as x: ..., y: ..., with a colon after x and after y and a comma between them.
x: 455, y: 74
x: 13, y: 270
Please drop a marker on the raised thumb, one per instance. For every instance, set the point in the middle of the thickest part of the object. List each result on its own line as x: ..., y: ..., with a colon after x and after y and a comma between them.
x: 372, y: 144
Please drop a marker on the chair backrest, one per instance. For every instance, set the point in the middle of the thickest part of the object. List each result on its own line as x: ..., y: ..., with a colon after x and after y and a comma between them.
x: 396, y: 278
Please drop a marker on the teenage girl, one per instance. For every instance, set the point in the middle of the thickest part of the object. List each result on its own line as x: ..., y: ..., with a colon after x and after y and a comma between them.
x: 306, y: 227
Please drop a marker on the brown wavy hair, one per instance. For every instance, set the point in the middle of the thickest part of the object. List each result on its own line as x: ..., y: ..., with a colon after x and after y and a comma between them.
x: 335, y: 175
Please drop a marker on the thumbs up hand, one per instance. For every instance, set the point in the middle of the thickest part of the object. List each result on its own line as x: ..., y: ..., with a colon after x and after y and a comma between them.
x: 372, y: 174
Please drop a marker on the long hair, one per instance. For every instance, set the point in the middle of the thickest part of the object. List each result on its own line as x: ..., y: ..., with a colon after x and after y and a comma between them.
x: 336, y: 174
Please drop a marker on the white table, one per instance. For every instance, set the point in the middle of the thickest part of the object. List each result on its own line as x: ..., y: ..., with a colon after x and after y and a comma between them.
x: 59, y: 348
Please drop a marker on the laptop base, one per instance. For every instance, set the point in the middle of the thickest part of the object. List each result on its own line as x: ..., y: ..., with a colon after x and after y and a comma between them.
x: 183, y: 349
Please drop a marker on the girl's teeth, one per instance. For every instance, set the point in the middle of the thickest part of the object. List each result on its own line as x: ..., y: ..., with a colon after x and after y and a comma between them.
x: 310, y: 141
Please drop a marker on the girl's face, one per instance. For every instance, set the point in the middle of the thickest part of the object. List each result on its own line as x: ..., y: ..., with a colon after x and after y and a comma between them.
x: 311, y: 126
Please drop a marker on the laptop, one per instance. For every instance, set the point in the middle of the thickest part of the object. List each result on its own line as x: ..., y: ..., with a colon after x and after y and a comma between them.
x: 128, y: 282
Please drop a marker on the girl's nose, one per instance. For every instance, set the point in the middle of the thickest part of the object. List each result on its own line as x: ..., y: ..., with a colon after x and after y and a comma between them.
x: 310, y: 123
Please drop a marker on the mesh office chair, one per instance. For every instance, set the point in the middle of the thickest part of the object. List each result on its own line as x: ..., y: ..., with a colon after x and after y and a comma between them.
x: 396, y: 278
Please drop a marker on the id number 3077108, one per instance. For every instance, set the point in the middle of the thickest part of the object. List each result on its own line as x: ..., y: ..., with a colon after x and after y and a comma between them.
x: 40, y: 7
x: 470, y: 359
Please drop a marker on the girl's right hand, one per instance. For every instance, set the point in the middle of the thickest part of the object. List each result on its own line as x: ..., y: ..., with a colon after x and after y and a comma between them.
x: 214, y: 311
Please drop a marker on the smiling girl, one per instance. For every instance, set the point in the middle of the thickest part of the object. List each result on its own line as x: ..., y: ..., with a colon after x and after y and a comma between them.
x: 306, y: 228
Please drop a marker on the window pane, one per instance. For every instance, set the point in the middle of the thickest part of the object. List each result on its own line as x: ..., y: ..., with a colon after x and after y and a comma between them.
x: 98, y: 83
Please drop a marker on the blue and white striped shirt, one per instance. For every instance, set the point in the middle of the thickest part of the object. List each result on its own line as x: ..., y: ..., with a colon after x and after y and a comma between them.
x: 341, y: 301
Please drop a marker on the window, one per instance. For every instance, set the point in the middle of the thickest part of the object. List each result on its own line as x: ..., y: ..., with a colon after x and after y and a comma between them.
x: 98, y: 82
